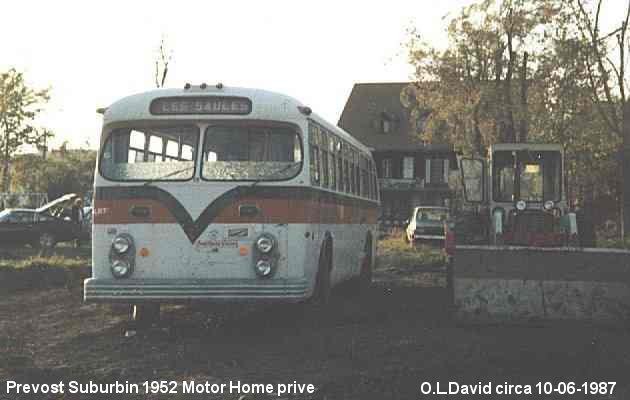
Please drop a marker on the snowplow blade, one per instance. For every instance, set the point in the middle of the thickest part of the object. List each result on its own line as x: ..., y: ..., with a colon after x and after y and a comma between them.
x: 494, y: 284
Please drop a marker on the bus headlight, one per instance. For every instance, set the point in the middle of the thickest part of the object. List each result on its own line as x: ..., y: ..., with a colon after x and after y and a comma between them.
x: 121, y: 244
x: 121, y: 269
x: 521, y: 205
x: 548, y: 205
x: 263, y: 268
x: 265, y: 244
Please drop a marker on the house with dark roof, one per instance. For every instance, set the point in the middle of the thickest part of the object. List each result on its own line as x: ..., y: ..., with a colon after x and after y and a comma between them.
x: 411, y: 172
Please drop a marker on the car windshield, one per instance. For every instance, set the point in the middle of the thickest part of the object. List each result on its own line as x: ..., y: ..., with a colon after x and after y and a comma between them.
x: 251, y: 153
x: 150, y: 153
x: 4, y: 215
x: 431, y: 215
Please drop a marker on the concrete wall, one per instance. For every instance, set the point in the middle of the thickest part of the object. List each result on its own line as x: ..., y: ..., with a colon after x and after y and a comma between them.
x: 518, y: 283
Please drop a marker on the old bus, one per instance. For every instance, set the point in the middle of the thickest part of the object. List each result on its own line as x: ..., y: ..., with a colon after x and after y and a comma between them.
x: 213, y: 193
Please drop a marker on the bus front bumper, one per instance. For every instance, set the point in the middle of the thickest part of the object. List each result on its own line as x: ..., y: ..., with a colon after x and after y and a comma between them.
x: 183, y: 291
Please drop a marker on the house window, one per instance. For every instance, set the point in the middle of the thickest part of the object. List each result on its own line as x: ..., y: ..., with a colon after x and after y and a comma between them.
x: 385, y: 126
x: 408, y: 167
x: 436, y: 171
x: 386, y: 166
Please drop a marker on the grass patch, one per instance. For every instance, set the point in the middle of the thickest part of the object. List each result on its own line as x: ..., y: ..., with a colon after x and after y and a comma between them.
x: 43, y: 272
x: 45, y: 262
x: 614, y: 243
x: 396, y: 253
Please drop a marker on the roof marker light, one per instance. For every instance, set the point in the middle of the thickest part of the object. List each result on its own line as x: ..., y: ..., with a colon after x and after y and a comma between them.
x: 305, y: 110
x: 203, y: 85
x: 187, y: 86
x: 219, y: 85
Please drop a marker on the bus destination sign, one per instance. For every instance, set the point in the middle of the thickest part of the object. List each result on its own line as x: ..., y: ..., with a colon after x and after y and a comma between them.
x: 201, y: 105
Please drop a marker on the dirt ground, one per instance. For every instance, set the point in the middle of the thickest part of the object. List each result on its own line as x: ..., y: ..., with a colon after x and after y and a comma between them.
x: 380, y: 345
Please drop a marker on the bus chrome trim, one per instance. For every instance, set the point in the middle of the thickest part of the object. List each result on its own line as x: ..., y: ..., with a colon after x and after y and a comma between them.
x: 106, y: 290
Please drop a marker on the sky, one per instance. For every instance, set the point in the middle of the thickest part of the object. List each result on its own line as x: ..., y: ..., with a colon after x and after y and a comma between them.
x: 92, y: 53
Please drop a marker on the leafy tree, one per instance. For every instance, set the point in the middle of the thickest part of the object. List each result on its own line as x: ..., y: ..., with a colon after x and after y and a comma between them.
x: 19, y: 105
x: 67, y: 171
x: 517, y: 71
x: 478, y: 88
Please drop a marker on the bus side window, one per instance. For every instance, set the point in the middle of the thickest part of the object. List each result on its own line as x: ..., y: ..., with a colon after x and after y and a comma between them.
x: 352, y: 177
x: 333, y: 171
x: 314, y: 165
x: 324, y: 153
x: 346, y: 176
x: 340, y: 172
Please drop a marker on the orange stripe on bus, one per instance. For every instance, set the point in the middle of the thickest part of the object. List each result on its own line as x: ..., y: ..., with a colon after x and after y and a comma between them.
x: 271, y: 211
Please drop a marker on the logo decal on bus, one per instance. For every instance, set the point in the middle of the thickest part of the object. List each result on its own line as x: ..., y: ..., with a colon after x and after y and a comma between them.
x: 238, y: 232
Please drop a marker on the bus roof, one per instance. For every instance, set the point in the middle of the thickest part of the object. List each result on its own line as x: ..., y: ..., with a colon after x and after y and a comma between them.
x: 266, y: 105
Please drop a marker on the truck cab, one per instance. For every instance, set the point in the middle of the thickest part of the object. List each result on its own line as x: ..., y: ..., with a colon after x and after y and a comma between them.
x: 518, y: 195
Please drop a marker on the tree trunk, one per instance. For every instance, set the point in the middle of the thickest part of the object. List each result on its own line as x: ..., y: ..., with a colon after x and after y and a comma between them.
x: 5, y: 168
x: 510, y: 132
x: 626, y: 169
x: 524, y: 109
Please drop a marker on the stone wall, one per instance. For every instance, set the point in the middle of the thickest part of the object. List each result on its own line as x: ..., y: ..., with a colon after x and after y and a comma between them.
x: 519, y: 283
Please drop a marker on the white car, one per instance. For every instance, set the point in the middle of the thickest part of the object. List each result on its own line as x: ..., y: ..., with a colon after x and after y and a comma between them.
x: 426, y: 224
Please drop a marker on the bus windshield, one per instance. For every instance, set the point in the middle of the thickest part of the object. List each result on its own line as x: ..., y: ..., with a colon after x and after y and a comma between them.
x: 150, y: 153
x: 527, y: 175
x: 251, y: 153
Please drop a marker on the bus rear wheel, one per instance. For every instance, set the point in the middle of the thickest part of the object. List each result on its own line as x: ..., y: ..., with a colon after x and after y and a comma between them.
x: 322, y: 292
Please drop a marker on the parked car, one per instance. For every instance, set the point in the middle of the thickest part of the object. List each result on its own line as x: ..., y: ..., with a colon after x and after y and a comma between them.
x: 44, y: 226
x: 426, y: 225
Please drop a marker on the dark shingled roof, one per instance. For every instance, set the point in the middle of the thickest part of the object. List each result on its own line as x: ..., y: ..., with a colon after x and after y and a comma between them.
x: 371, y: 102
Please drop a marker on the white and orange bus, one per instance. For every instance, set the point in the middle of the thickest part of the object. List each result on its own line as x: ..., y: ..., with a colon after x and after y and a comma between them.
x: 214, y: 193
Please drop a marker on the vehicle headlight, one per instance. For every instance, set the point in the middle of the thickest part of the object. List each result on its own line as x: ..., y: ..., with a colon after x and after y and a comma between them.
x: 521, y: 205
x: 265, y: 244
x: 121, y: 244
x: 548, y: 205
x: 121, y: 268
x: 263, y: 268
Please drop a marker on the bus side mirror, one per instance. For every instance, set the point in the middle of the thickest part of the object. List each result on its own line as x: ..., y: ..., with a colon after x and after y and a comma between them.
x: 473, y: 179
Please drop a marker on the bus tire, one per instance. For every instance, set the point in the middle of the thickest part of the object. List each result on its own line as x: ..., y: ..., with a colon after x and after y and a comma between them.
x: 145, y: 315
x: 367, y: 267
x: 322, y: 292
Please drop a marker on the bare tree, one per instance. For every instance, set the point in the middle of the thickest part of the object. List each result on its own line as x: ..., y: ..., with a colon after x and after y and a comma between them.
x: 606, y: 77
x: 164, y: 57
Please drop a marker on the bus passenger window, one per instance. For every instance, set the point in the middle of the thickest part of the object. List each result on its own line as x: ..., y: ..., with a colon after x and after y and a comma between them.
x: 346, y: 176
x: 172, y: 150
x: 333, y: 171
x: 187, y: 153
x: 324, y: 167
x: 316, y: 164
x: 340, y: 174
